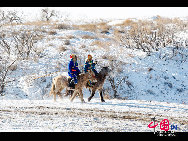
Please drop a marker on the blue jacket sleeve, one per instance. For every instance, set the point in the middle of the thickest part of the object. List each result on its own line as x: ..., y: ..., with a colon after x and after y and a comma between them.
x: 70, y: 66
x: 86, y: 67
x: 77, y: 68
x: 93, y: 65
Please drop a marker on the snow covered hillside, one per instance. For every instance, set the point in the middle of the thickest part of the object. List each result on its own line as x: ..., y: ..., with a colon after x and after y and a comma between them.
x: 159, y: 76
x: 147, y: 82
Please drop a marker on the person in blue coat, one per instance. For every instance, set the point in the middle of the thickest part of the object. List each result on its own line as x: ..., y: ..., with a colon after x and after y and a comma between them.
x: 90, y: 65
x: 73, y: 69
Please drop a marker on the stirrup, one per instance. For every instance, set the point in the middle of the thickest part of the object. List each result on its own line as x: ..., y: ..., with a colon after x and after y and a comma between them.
x: 90, y: 83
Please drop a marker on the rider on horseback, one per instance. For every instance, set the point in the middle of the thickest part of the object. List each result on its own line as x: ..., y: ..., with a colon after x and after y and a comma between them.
x: 90, y: 65
x: 73, y: 68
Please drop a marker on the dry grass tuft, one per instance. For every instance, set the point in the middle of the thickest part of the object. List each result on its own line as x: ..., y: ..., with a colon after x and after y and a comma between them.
x: 63, y: 26
x: 52, y: 32
x: 67, y: 42
x: 62, y: 48
x: 86, y: 27
x: 88, y: 37
x: 37, y: 23
x: 102, y: 44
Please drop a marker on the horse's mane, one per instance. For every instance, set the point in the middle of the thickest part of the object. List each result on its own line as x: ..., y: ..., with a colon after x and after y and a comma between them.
x: 102, y: 74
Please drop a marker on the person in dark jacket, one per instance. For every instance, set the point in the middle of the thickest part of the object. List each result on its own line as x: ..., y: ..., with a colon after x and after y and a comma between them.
x: 73, y: 69
x: 90, y: 65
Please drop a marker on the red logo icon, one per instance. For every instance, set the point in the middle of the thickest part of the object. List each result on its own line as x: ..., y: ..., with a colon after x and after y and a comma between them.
x: 164, y: 125
x: 152, y: 126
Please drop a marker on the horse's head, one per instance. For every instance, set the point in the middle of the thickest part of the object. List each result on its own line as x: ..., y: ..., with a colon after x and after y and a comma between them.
x: 105, y: 70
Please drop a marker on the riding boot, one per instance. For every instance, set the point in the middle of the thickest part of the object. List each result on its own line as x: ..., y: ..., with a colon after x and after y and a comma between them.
x: 75, y: 81
x: 71, y: 84
x: 90, y: 84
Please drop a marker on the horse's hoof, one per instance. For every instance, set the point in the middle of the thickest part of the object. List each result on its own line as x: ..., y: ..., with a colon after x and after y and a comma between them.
x: 89, y: 99
x: 102, y: 100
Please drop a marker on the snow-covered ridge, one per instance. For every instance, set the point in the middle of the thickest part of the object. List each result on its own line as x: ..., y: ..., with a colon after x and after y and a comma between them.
x: 159, y: 76
x: 155, y: 84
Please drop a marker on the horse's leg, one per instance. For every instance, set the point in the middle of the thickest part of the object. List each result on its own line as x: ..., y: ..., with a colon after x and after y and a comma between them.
x: 59, y: 93
x: 90, y: 90
x: 66, y: 92
x: 101, y: 95
x: 54, y: 96
x: 52, y: 89
x: 71, y: 92
x: 81, y: 96
x: 92, y: 94
x: 56, y: 90
x: 73, y: 95
x: 60, y: 96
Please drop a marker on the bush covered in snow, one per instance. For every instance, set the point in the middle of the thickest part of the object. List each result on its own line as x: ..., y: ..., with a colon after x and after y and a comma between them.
x: 148, y: 58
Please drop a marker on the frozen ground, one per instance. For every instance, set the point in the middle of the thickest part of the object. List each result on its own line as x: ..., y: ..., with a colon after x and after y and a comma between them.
x: 112, y: 116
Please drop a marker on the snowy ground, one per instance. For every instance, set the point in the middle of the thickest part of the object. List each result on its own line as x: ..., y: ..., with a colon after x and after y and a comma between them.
x: 112, y: 116
x: 159, y: 87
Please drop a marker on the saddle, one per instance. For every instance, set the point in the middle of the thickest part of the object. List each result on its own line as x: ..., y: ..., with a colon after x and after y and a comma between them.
x: 91, y: 83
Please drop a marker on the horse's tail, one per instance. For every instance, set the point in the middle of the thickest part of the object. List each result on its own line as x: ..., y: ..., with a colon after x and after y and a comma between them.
x: 52, y: 88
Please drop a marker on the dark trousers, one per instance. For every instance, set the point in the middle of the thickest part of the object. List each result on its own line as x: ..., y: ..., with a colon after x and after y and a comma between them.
x: 74, y: 76
x: 96, y: 73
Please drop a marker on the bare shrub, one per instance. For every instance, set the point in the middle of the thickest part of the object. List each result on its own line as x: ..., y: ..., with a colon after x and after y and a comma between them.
x: 83, y: 46
x: 13, y: 67
x: 103, y: 27
x: 114, y: 80
x: 104, y: 57
x: 127, y: 22
x: 38, y: 23
x: 52, y: 32
x: 106, y: 96
x: 150, y: 69
x: 62, y: 48
x: 47, y: 14
x: 5, y: 68
x: 67, y: 42
x: 5, y: 45
x: 24, y: 43
x: 86, y: 27
x: 9, y: 17
x: 103, y: 44
x: 105, y: 31
x: 88, y: 37
x: 21, y: 44
x: 63, y: 26
x: 148, y: 35
x: 70, y: 37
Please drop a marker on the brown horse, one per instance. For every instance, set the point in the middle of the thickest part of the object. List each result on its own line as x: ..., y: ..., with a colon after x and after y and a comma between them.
x: 61, y: 82
x: 82, y: 81
x: 99, y: 84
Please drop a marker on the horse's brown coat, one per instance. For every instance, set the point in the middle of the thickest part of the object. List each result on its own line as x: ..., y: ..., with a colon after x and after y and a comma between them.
x: 61, y: 82
x: 99, y: 84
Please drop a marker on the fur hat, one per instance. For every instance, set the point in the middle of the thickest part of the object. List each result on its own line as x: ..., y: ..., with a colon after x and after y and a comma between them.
x: 72, y: 56
x: 89, y: 56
